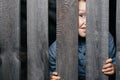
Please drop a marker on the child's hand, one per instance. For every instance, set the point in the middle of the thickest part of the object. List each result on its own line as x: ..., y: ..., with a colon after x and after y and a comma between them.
x: 108, y: 68
x: 54, y: 76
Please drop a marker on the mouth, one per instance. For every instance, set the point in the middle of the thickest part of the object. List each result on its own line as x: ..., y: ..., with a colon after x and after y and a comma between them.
x: 83, y: 29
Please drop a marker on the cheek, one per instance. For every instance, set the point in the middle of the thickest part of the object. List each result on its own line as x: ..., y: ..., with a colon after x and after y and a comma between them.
x: 80, y: 22
x: 79, y: 32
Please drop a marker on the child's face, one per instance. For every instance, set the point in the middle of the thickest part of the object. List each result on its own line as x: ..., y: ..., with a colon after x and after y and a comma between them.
x: 82, y: 19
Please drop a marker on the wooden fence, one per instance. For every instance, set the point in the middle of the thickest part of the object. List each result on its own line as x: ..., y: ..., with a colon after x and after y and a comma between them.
x: 67, y: 39
x: 9, y: 39
x: 98, y: 22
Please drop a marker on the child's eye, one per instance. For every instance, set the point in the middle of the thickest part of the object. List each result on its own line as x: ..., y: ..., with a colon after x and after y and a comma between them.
x: 81, y: 15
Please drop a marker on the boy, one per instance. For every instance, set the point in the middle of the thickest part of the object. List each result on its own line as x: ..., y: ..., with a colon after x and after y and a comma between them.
x: 108, y: 67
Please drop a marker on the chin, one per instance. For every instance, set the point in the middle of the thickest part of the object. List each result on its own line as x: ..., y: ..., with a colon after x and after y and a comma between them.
x: 82, y: 35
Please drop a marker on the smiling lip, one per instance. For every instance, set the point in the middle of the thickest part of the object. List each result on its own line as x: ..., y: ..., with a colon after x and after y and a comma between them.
x: 83, y: 29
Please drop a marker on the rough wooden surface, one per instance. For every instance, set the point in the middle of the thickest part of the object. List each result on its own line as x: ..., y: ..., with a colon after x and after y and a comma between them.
x: 118, y: 40
x: 97, y: 38
x: 9, y: 40
x: 67, y: 39
x: 37, y: 39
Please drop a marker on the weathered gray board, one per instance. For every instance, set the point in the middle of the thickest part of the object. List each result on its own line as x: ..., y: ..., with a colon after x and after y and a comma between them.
x: 118, y: 40
x: 97, y: 38
x: 37, y: 39
x: 67, y: 39
x: 9, y: 40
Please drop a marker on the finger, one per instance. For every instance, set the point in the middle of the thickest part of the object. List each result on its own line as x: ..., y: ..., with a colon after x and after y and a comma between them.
x: 109, y: 61
x: 107, y: 70
x: 107, y: 65
x: 55, y: 77
x: 109, y: 73
x: 55, y: 73
x: 52, y: 79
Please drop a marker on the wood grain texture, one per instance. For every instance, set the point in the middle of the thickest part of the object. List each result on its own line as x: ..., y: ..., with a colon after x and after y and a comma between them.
x: 9, y: 40
x: 118, y: 40
x: 97, y: 38
x: 37, y: 39
x: 67, y: 39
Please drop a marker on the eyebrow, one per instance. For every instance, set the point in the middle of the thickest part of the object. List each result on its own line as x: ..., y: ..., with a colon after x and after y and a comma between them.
x: 82, y: 13
x: 81, y: 10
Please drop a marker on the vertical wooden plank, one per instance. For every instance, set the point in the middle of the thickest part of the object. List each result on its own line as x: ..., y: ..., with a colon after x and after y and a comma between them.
x: 67, y: 39
x: 118, y: 40
x: 97, y: 38
x: 9, y: 40
x: 37, y: 38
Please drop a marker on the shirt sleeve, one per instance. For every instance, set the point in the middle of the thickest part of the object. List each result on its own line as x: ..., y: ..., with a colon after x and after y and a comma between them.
x: 112, y: 50
x: 52, y: 58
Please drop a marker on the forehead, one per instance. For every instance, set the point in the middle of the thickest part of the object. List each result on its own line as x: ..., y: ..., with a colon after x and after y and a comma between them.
x: 82, y: 6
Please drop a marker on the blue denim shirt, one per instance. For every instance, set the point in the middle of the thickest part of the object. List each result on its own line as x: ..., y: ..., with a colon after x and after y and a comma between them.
x: 81, y: 57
